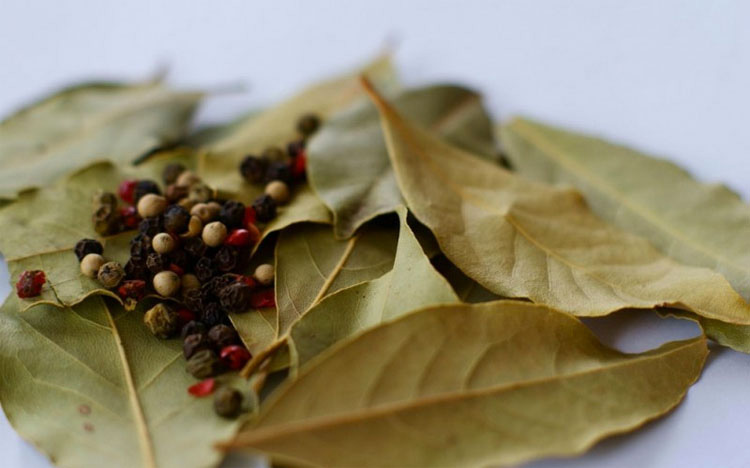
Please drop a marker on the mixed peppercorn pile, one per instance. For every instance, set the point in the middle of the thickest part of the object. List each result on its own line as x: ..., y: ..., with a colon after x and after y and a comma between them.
x: 190, y: 251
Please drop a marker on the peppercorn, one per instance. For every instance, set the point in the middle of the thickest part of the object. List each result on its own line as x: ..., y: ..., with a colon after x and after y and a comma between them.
x: 263, y: 299
x: 132, y: 289
x: 213, y: 287
x: 163, y: 243
x: 136, y: 269
x: 189, y: 281
x: 151, y: 205
x: 200, y: 192
x: 236, y: 297
x: 91, y: 263
x: 126, y: 189
x: 175, y: 193
x: 227, y: 402
x: 140, y: 245
x: 278, y: 190
x: 239, y: 238
x: 232, y: 214
x: 203, y: 388
x: 186, y: 203
x: 214, y: 233
x: 203, y: 364
x: 308, y: 124
x: 187, y: 178
x: 191, y: 328
x: 295, y: 147
x: 204, y: 269
x: 171, y: 172
x: 166, y: 283
x: 298, y: 166
x: 264, y: 274
x: 151, y: 226
x: 226, y: 258
x: 145, y: 187
x: 86, y: 246
x: 30, y: 283
x: 195, y: 247
x: 265, y: 208
x: 176, y: 219
x: 129, y: 217
x: 194, y: 343
x: 156, y: 262
x: 278, y: 170
x: 110, y: 274
x: 234, y: 356
x: 203, y: 212
x: 273, y: 153
x: 106, y: 220
x: 222, y: 335
x: 162, y: 320
x: 194, y: 229
x: 102, y: 198
x: 213, y: 314
x: 194, y: 300
x: 181, y: 260
x: 253, y: 169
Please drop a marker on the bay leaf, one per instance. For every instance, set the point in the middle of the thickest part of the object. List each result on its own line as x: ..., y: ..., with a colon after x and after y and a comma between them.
x: 41, y: 228
x: 86, y: 123
x: 491, y: 384
x: 465, y: 288
x: 411, y: 283
x: 89, y: 386
x: 523, y: 239
x: 698, y: 224
x: 348, y: 162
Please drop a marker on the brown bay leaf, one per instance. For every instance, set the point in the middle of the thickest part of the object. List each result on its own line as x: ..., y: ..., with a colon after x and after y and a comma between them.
x: 348, y: 161
x: 90, y: 386
x: 523, y: 239
x: 491, y: 384
x: 79, y: 125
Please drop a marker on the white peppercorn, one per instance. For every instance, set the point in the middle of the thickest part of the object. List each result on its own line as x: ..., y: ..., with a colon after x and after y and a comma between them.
x: 151, y: 205
x: 264, y: 274
x: 187, y: 178
x: 166, y: 283
x: 278, y: 190
x: 214, y: 233
x: 91, y: 263
x: 163, y: 243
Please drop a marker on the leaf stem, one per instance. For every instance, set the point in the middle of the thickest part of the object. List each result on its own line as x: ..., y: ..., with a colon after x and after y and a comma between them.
x: 261, y: 357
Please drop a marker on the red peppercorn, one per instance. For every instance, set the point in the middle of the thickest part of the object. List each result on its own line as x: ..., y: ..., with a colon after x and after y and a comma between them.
x: 247, y: 280
x: 186, y: 315
x: 132, y: 289
x: 299, y: 164
x: 238, y: 238
x: 176, y: 269
x: 234, y: 356
x: 254, y: 233
x: 30, y: 283
x: 263, y: 299
x: 126, y: 190
x: 130, y: 217
x: 249, y: 218
x: 202, y: 388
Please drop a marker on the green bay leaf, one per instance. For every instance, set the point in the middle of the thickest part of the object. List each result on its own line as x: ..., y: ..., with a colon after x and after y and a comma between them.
x: 348, y: 161
x: 86, y: 123
x: 492, y: 384
x: 523, y: 239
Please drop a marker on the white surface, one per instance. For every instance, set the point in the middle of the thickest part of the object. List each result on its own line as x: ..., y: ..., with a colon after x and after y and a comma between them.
x: 668, y: 77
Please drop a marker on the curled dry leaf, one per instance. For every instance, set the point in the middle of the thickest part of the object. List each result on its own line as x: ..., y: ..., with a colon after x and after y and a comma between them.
x: 527, y: 240
x: 79, y: 125
x: 91, y: 387
x: 469, y: 385
x: 348, y: 161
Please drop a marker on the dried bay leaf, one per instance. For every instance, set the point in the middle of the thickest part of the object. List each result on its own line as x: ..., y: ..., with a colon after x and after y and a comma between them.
x: 465, y: 288
x: 527, y: 240
x: 91, y: 387
x: 348, y: 161
x: 695, y: 223
x: 76, y: 126
x: 411, y: 283
x: 469, y: 385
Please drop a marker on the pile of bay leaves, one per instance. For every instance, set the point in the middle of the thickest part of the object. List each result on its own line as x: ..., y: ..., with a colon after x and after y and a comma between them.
x: 426, y: 295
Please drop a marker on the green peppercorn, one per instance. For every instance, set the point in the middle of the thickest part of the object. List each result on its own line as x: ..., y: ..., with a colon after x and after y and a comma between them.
x: 110, y: 274
x: 102, y: 198
x: 162, y: 320
x: 227, y: 402
x: 308, y: 124
x: 203, y: 364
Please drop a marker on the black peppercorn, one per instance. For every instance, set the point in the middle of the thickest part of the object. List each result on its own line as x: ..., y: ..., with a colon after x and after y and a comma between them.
x: 226, y: 258
x: 191, y: 328
x: 265, y: 208
x: 176, y: 219
x: 140, y: 246
x: 308, y: 124
x: 213, y: 314
x: 212, y: 288
x: 170, y: 173
x: 195, y: 247
x: 236, y: 297
x: 203, y: 364
x: 156, y: 262
x: 151, y: 226
x: 194, y: 300
x: 86, y: 246
x: 295, y: 147
x: 227, y: 402
x: 143, y: 187
x: 253, y: 169
x: 194, y: 343
x: 135, y: 269
x: 279, y: 170
x: 222, y: 335
x: 181, y: 259
x: 232, y: 214
x: 204, y: 269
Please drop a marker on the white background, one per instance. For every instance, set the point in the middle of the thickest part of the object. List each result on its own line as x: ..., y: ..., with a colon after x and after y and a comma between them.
x: 668, y: 77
